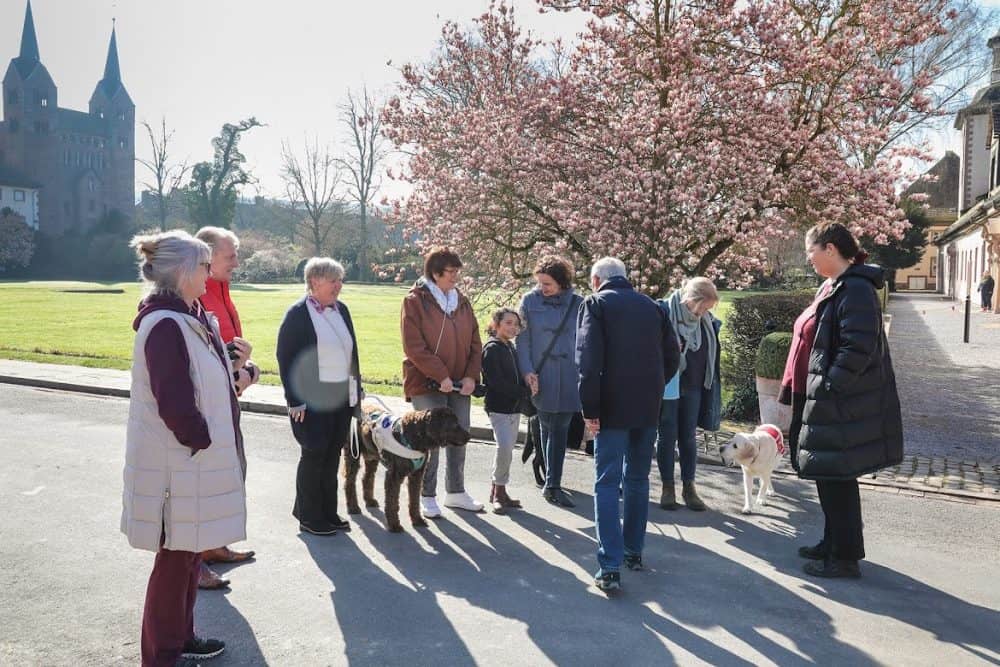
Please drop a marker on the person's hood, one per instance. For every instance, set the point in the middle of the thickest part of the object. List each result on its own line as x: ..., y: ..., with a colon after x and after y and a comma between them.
x: 155, y: 302
x: 421, y: 290
x: 870, y: 272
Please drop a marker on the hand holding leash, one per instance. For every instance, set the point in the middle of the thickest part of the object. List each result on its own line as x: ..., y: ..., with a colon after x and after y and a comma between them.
x: 478, y: 390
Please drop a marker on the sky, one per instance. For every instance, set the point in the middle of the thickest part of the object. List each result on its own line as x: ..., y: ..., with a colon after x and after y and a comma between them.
x: 202, y: 63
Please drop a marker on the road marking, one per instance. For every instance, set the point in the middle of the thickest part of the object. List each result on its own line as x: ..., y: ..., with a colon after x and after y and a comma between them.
x: 34, y: 492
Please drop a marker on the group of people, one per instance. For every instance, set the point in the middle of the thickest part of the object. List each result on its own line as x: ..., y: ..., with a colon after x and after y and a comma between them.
x: 645, y: 374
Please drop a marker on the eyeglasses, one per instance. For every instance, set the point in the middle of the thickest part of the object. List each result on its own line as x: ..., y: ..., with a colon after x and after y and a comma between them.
x: 208, y: 266
x: 452, y: 271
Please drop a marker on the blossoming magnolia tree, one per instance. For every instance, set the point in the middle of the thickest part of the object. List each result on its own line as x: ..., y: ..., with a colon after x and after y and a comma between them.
x: 679, y: 136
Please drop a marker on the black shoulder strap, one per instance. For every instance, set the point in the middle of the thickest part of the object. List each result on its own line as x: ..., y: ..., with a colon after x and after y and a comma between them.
x: 555, y: 337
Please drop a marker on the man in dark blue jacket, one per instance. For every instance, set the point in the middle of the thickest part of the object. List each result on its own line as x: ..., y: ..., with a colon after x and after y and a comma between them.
x: 626, y: 349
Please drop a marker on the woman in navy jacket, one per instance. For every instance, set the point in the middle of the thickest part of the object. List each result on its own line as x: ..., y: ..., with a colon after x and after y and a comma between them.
x: 318, y: 361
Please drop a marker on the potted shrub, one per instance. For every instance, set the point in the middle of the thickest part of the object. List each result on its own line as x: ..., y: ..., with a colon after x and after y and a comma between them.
x: 771, y: 356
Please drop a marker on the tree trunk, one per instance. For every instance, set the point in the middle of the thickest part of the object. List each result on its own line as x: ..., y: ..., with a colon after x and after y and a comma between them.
x: 364, y: 270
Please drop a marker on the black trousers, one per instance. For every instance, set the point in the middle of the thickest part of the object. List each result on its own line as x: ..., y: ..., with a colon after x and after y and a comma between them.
x: 843, y: 529
x: 843, y: 537
x: 316, y: 477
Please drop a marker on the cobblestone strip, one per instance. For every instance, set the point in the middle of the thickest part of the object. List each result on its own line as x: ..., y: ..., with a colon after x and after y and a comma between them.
x: 917, y: 475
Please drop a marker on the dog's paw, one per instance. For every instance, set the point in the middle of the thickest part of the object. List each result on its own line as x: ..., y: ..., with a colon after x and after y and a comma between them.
x: 771, y: 492
x: 762, y: 501
x: 395, y: 528
x: 419, y: 523
x: 371, y: 502
x: 747, y: 509
x: 353, y: 509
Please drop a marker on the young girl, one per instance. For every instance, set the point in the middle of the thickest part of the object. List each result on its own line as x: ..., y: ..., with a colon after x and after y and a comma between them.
x: 505, y: 387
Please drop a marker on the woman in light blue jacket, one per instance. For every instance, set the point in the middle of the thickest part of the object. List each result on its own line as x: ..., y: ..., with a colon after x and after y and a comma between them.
x: 546, y: 350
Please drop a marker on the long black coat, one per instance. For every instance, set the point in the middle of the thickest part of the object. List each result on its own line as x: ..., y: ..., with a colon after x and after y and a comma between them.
x: 851, y: 422
x: 625, y: 349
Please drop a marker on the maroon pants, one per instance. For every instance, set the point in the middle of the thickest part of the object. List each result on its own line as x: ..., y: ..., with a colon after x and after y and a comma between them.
x: 168, y: 618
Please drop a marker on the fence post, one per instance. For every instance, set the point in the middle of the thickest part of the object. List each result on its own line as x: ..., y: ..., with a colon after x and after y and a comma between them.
x: 968, y: 313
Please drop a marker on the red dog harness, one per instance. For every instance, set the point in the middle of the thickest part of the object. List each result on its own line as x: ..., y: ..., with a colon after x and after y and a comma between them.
x: 774, y: 433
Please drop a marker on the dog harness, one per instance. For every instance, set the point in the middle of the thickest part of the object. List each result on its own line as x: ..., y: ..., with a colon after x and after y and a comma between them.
x: 387, y: 433
x: 774, y: 433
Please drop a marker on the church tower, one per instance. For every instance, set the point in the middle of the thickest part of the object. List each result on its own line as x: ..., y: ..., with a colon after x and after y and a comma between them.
x: 29, y: 109
x: 111, y: 103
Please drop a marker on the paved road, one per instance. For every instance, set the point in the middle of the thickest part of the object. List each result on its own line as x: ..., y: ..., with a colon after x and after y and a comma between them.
x: 721, y: 589
x: 949, y: 390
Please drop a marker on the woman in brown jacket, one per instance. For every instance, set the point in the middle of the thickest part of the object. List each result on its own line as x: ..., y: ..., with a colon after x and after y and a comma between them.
x: 441, y: 343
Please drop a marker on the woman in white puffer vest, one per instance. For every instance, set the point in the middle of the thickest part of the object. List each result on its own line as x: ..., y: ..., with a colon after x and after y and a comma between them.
x: 184, y: 489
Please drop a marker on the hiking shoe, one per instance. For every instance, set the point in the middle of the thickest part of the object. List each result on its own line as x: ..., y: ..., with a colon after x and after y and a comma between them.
x: 318, y: 528
x: 197, y: 648
x: 817, y: 552
x: 462, y: 501
x: 608, y: 581
x: 429, y: 507
x: 558, y: 497
x: 633, y: 562
x: 833, y: 569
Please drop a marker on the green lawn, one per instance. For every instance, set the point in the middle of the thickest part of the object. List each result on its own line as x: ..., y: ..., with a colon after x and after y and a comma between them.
x: 49, y: 322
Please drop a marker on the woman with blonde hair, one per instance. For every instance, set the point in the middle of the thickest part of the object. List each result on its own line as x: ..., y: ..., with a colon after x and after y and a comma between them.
x: 693, y: 397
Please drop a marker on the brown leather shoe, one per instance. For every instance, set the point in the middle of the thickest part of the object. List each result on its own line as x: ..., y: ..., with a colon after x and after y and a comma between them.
x: 209, y: 580
x: 225, y: 555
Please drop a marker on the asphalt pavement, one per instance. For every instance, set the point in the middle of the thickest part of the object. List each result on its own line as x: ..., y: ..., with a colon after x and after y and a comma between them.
x: 720, y: 588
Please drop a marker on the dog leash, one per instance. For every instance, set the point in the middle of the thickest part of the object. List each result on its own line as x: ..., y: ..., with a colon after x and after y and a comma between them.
x: 355, y: 441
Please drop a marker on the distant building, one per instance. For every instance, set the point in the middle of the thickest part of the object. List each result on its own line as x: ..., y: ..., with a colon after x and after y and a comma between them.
x: 82, y: 162
x: 20, y: 194
x: 971, y: 245
x: 942, y: 201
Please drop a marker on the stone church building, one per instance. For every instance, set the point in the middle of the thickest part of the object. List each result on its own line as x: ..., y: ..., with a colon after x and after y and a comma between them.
x: 82, y: 162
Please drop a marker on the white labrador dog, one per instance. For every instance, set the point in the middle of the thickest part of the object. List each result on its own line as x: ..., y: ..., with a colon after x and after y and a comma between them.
x: 758, y: 453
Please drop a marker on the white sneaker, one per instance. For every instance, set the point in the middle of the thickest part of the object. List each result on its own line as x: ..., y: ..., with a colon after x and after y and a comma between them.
x: 462, y: 501
x: 429, y: 507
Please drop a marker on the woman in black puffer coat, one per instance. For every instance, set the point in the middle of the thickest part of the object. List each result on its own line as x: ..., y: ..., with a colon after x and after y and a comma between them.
x: 849, y: 422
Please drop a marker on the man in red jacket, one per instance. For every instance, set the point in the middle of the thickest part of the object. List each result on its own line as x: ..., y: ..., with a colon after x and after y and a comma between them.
x: 225, y: 259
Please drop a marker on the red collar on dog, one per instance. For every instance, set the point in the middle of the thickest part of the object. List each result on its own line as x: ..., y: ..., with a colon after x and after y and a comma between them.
x: 776, y: 434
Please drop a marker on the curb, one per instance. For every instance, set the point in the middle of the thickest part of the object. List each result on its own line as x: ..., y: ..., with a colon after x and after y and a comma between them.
x: 484, y: 434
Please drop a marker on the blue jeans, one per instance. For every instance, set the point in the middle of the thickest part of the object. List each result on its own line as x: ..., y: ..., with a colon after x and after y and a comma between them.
x: 554, y: 427
x: 617, y: 451
x: 678, y: 426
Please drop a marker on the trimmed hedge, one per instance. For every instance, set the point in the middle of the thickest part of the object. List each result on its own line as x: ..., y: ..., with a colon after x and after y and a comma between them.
x: 773, y: 354
x: 749, y: 319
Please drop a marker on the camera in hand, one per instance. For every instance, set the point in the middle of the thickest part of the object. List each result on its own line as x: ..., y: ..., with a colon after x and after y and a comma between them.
x: 456, y: 387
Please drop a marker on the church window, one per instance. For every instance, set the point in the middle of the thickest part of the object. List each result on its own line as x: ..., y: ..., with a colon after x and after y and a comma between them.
x: 91, y: 186
x: 121, y: 115
x: 18, y: 195
x: 44, y: 102
x: 100, y: 113
x: 12, y: 97
x: 122, y: 143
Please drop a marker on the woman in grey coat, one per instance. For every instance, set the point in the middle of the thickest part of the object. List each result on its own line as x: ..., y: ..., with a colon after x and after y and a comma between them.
x: 546, y: 350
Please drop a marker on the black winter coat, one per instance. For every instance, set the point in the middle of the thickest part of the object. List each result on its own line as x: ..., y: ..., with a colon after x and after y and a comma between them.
x: 851, y: 422
x: 625, y: 349
x: 504, y: 384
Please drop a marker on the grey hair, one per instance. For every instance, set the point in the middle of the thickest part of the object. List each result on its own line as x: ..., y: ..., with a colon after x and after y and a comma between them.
x: 322, y: 267
x: 168, y: 259
x: 699, y: 289
x: 607, y: 268
x: 212, y: 236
